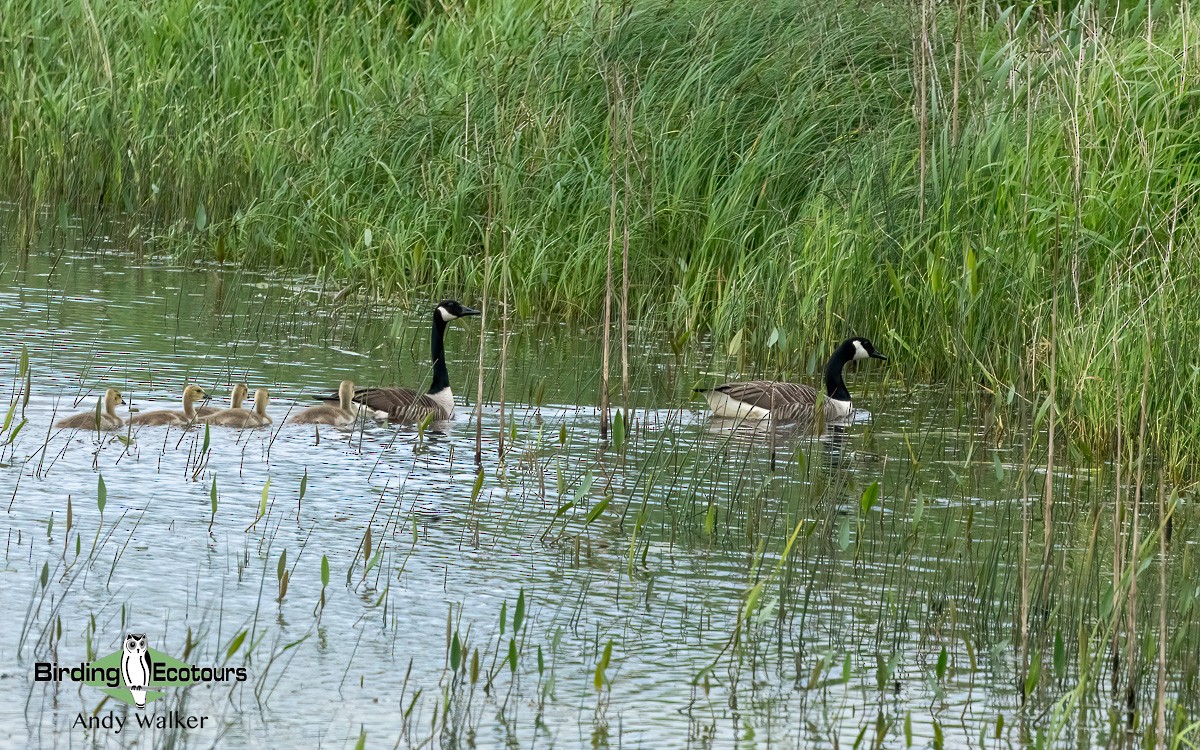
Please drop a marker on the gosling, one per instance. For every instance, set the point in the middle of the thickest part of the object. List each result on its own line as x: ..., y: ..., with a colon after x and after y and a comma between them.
x: 97, y: 419
x: 338, y: 416
x: 240, y: 391
x: 242, y: 419
x: 171, y: 417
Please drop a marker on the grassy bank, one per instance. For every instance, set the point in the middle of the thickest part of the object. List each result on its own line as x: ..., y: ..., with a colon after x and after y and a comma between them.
x: 1013, y: 185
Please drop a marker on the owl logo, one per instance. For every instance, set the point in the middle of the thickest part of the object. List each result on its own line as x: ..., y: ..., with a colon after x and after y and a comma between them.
x: 135, y: 667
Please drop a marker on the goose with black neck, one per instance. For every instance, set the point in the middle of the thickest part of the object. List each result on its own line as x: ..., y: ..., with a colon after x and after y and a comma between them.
x: 792, y: 402
x: 405, y: 404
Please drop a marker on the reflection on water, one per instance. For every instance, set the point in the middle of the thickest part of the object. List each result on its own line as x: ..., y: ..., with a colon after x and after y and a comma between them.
x: 653, y: 549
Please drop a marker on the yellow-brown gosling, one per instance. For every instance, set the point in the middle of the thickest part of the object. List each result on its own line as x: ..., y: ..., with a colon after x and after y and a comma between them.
x: 191, y: 395
x: 243, y: 418
x: 338, y: 416
x: 92, y: 420
x: 240, y: 391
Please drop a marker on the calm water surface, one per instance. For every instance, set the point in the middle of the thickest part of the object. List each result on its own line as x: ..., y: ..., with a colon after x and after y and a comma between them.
x: 845, y: 637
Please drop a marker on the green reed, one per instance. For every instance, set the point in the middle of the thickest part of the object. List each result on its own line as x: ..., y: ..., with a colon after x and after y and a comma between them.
x: 835, y: 551
x: 1028, y: 233
x: 775, y: 187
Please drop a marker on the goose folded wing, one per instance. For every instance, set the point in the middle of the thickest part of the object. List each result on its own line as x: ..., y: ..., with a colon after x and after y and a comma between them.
x: 397, y: 403
x: 770, y: 394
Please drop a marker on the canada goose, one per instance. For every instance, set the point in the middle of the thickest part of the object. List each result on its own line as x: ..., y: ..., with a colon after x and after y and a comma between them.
x: 236, y: 397
x: 791, y: 402
x: 191, y: 395
x: 407, y: 405
x: 338, y: 416
x: 93, y: 420
x: 243, y: 418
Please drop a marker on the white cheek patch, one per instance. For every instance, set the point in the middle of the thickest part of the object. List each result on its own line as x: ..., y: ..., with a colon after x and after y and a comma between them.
x: 446, y: 314
x: 860, y: 351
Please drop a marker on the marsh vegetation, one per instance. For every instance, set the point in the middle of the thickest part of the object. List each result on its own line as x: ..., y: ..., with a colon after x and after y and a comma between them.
x: 999, y: 550
x: 918, y: 577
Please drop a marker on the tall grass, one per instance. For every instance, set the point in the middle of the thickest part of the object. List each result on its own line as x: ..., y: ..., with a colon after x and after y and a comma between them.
x: 875, y: 571
x: 810, y: 168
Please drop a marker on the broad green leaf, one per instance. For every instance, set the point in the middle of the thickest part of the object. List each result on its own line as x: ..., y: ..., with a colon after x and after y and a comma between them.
x: 735, y: 344
x: 234, y: 645
x: 1035, y: 673
x: 595, y: 512
x: 519, y: 612
x: 870, y: 496
x: 262, y: 504
x: 602, y: 666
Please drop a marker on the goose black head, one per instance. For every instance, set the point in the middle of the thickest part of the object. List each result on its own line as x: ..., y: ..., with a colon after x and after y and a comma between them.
x: 451, y: 309
x: 864, y: 349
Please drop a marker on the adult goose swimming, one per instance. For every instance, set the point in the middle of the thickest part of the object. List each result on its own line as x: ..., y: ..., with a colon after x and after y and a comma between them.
x: 792, y: 402
x: 405, y: 404
x: 96, y: 419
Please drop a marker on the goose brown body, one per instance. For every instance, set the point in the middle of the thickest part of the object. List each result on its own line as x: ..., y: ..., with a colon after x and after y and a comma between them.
x: 762, y: 399
x: 240, y: 418
x: 339, y: 416
x: 408, y: 405
x: 404, y: 404
x: 792, y: 402
x: 236, y: 398
x: 105, y: 419
x: 172, y: 417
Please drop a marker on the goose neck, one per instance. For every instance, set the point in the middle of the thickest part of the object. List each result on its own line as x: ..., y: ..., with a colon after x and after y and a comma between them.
x: 835, y: 386
x: 437, y: 352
